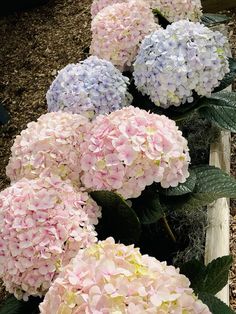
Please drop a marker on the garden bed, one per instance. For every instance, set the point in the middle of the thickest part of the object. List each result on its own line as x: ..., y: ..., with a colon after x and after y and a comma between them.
x: 47, y: 51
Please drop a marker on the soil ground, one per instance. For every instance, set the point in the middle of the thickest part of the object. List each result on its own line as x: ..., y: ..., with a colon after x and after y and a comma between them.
x: 34, y: 45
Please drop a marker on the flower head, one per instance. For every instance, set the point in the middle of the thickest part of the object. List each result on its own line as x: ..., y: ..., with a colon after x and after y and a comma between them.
x: 91, y: 87
x: 43, y: 223
x: 172, y: 10
x: 129, y: 149
x: 98, y: 5
x: 173, y: 63
x: 118, y: 30
x: 114, y: 278
x: 50, y: 146
x: 175, y: 10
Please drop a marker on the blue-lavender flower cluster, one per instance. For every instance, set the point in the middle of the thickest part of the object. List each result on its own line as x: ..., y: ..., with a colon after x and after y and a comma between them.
x: 174, y: 62
x: 91, y: 87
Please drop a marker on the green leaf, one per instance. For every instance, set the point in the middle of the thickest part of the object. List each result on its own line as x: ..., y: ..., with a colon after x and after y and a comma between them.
x: 194, y: 270
x: 13, y: 306
x: 215, y: 305
x: 229, y: 77
x: 210, y: 19
x: 217, y: 274
x: 4, y: 115
x: 211, y: 183
x: 182, y: 188
x: 118, y: 219
x: 148, y: 207
x: 220, y: 109
x: 211, y: 278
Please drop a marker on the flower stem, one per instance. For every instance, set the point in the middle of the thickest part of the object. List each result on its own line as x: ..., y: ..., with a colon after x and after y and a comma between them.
x: 168, y: 229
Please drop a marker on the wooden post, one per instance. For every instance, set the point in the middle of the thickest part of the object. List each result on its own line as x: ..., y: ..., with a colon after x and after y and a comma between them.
x: 217, y: 235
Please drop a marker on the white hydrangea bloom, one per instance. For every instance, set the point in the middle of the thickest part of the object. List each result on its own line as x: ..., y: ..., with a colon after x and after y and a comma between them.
x: 173, y: 63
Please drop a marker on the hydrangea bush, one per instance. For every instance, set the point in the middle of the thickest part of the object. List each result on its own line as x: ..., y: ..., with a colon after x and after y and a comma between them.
x: 173, y: 63
x: 91, y: 87
x: 114, y: 278
x: 118, y: 30
x: 175, y: 10
x: 49, y: 145
x: 130, y: 149
x: 43, y: 224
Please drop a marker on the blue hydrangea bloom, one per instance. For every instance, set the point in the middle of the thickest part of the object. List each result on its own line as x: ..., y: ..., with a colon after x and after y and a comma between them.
x: 91, y: 87
x: 174, y: 62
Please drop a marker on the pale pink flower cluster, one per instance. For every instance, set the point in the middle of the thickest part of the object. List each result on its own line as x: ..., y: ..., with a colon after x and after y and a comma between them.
x: 131, y: 148
x: 98, y: 5
x: 176, y: 10
x: 118, y: 30
x: 49, y: 145
x: 43, y: 224
x: 114, y: 278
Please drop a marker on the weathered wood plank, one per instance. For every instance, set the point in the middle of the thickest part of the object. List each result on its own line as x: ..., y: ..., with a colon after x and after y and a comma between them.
x: 217, y: 235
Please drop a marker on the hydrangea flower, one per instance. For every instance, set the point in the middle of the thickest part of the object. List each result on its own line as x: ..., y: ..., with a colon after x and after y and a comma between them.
x: 175, y: 10
x: 172, y: 10
x: 91, y: 87
x: 174, y: 62
x: 118, y: 30
x: 43, y: 224
x: 114, y: 278
x: 98, y: 5
x: 49, y: 145
x: 130, y: 149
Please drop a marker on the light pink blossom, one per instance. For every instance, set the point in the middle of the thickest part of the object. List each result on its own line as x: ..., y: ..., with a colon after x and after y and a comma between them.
x: 49, y: 145
x: 43, y: 223
x: 113, y: 278
x: 118, y: 29
x: 129, y: 149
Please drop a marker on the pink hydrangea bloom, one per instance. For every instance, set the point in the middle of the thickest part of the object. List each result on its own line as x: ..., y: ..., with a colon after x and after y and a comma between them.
x: 43, y: 224
x: 118, y: 30
x: 129, y: 149
x: 114, y: 278
x: 176, y: 10
x: 50, y: 146
x: 98, y: 5
x: 173, y: 10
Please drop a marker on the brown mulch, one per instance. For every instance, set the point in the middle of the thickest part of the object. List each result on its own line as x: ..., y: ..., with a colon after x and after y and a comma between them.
x: 34, y: 45
x: 232, y: 279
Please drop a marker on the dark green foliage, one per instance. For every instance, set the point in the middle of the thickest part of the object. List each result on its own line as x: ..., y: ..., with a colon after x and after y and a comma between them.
x: 215, y: 305
x: 212, y: 183
x: 210, y: 19
x: 118, y: 218
x: 13, y: 306
x: 220, y: 108
x: 209, y: 279
x: 148, y: 207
